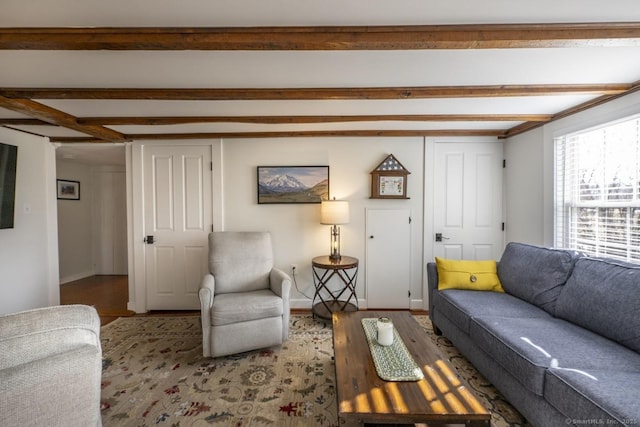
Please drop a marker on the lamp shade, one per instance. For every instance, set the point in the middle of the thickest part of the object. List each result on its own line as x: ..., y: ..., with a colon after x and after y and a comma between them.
x: 334, y: 212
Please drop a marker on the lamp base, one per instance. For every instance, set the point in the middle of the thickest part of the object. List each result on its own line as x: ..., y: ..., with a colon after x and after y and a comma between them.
x: 335, y: 243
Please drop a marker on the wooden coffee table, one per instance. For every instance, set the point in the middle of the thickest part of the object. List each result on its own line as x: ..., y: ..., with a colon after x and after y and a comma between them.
x: 441, y: 397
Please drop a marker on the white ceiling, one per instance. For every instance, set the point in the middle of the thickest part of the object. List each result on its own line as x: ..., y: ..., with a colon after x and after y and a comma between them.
x: 92, y: 154
x: 218, y: 13
x: 309, y: 69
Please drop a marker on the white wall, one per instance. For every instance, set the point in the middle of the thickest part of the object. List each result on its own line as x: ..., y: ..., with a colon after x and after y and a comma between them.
x: 529, y: 176
x: 109, y: 220
x: 524, y: 188
x: 74, y: 224
x: 28, y: 252
x: 92, y: 237
x: 297, y: 233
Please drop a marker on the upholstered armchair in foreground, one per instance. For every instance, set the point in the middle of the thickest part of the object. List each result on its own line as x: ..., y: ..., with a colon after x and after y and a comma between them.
x: 244, y: 300
x: 50, y: 367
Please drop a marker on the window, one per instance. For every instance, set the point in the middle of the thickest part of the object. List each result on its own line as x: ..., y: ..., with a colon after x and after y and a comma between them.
x: 598, y: 191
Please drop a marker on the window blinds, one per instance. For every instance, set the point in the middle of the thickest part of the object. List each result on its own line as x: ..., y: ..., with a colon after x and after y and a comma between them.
x: 598, y: 191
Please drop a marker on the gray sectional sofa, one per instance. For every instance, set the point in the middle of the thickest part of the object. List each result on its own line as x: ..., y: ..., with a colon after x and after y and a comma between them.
x: 561, y: 343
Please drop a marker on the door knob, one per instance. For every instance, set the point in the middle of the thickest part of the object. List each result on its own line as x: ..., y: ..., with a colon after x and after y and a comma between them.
x: 149, y: 240
x: 371, y: 237
x: 440, y: 237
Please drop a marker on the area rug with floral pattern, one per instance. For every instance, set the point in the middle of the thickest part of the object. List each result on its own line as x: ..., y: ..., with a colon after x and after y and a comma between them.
x: 154, y: 374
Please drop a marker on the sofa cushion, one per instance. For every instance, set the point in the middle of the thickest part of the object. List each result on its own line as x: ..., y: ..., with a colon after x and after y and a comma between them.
x: 604, y: 296
x: 599, y: 397
x: 534, y: 273
x: 245, y: 306
x: 240, y: 261
x: 460, y: 306
x: 467, y: 274
x: 527, y: 347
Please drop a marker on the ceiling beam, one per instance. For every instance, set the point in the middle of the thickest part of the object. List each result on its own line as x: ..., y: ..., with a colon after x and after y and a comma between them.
x: 59, y: 118
x: 351, y: 93
x: 531, y: 121
x: 527, y: 126
x: 23, y: 122
x: 293, y: 134
x: 178, y: 120
x: 477, y: 36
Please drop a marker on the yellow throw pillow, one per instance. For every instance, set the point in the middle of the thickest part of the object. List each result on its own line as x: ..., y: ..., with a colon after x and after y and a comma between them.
x: 470, y: 275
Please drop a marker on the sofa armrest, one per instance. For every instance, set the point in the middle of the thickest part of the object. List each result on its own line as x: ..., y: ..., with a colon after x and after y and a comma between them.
x: 50, y: 367
x: 280, y: 284
x: 45, y: 332
x: 207, y: 291
x: 206, y: 295
x: 432, y: 281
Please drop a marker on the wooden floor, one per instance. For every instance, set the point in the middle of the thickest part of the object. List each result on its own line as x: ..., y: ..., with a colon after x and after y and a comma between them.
x: 110, y: 295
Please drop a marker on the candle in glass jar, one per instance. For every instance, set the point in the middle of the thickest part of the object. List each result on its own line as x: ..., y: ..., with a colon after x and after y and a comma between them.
x: 385, y: 331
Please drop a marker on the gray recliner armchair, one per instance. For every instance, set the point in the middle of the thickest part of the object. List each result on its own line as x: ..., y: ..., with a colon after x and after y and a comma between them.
x: 244, y: 300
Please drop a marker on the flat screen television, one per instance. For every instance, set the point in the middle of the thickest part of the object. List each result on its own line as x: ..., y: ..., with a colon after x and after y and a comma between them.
x: 8, y: 163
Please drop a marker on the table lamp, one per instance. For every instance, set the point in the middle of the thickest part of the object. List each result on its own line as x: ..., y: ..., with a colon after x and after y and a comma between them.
x: 334, y: 212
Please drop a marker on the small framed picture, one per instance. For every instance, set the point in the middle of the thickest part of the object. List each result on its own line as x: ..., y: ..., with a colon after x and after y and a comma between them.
x: 68, y: 190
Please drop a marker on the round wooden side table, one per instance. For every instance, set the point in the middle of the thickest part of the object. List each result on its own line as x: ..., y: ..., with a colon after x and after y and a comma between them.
x: 325, y: 300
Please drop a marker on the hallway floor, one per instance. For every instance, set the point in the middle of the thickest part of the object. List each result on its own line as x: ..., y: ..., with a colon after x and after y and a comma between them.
x: 108, y: 294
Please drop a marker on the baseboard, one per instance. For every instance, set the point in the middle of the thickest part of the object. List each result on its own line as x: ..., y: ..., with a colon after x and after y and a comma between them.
x: 132, y: 307
x: 303, y: 303
x: 75, y: 277
x: 116, y: 313
x: 417, y: 304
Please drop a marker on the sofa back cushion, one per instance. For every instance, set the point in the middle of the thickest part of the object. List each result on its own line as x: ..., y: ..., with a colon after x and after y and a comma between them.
x: 535, y: 274
x: 604, y: 297
x: 240, y: 261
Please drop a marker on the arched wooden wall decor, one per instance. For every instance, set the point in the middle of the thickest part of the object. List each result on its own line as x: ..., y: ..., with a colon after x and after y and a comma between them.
x: 389, y: 180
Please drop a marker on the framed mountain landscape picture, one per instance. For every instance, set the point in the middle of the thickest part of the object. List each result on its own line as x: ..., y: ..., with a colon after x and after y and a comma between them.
x: 293, y: 184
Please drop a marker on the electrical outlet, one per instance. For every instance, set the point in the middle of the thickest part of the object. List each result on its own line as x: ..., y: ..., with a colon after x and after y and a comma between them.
x: 293, y: 267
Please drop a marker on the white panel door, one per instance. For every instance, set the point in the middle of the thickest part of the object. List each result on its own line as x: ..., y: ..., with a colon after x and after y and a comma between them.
x: 467, y: 212
x: 178, y: 214
x: 388, y: 263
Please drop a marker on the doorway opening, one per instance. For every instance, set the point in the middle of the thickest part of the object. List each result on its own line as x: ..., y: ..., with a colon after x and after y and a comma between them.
x: 92, y: 228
